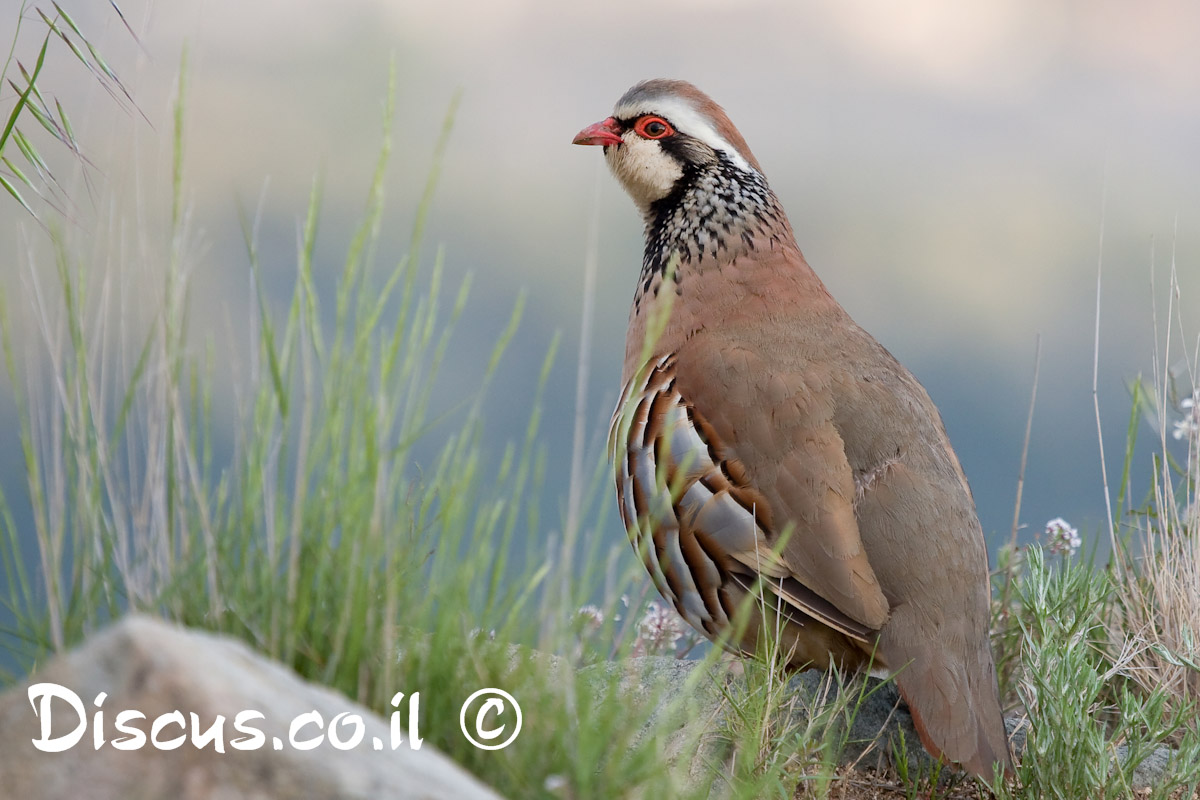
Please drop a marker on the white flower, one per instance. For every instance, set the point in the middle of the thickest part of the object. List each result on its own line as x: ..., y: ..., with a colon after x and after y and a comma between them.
x: 1189, y: 426
x: 1061, y: 537
x: 660, y: 629
x: 591, y: 616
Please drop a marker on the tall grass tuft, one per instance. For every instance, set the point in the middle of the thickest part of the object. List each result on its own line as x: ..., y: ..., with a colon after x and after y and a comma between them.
x: 1102, y: 661
x: 315, y: 536
x: 1158, y: 575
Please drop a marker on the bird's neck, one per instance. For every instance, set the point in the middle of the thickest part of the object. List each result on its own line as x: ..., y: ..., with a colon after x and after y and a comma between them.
x: 718, y: 256
x: 717, y: 214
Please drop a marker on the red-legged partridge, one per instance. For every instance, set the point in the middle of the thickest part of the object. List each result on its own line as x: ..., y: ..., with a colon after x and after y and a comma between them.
x: 763, y: 435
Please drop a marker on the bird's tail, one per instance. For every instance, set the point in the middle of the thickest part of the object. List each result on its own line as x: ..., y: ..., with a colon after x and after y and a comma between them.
x: 956, y: 709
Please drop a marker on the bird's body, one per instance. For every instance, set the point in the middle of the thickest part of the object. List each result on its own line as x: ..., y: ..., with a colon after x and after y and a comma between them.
x: 763, y: 434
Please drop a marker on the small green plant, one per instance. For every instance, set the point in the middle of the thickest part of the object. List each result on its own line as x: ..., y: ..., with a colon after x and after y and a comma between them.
x: 786, y: 734
x: 1089, y: 726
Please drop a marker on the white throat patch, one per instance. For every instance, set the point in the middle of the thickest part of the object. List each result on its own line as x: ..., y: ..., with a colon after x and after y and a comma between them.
x: 647, y: 173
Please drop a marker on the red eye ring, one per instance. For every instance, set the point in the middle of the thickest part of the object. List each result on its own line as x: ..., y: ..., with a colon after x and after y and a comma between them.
x: 651, y: 127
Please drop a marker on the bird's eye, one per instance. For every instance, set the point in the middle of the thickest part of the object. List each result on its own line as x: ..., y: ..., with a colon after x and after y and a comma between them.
x: 653, y: 128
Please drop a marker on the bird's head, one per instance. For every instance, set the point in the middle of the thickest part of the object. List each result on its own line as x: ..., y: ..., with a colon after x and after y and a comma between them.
x: 662, y: 136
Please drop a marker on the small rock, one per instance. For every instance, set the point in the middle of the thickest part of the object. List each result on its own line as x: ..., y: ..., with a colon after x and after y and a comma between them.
x: 688, y: 709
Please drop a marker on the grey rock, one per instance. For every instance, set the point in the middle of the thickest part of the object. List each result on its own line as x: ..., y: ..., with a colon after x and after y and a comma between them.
x: 687, y: 708
x: 155, y: 668
x: 1152, y: 769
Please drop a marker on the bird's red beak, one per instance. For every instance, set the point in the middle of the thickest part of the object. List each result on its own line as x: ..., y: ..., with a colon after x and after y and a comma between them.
x: 605, y: 132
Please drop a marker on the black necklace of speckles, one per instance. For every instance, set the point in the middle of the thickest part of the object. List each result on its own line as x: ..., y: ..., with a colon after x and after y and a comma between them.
x: 709, y: 207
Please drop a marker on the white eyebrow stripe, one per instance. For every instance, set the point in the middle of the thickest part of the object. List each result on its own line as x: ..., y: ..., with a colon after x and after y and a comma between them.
x: 686, y: 119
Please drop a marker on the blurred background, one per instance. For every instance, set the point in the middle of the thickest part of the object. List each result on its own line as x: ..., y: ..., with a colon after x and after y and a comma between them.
x: 955, y: 172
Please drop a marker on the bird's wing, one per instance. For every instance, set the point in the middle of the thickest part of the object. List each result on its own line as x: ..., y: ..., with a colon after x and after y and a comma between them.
x: 728, y: 486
